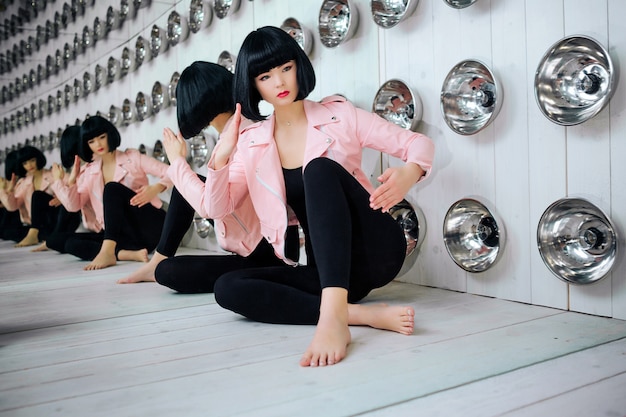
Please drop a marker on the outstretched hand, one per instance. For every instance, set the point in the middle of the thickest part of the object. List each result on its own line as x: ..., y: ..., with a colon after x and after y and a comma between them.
x: 146, y: 194
x: 174, y: 145
x: 395, y: 183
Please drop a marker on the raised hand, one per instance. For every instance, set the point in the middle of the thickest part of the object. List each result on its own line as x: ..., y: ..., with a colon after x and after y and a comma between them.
x: 174, y: 145
x: 12, y: 183
x: 75, y: 171
x: 228, y: 140
x: 58, y: 173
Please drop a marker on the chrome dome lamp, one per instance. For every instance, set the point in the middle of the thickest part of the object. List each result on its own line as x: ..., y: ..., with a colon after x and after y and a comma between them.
x: 158, y: 41
x: 223, y: 8
x: 577, y: 241
x: 471, y: 97
x: 127, y: 62
x: 200, y: 15
x: 473, y: 235
x: 115, y: 116
x: 158, y: 152
x: 202, y: 226
x: 574, y: 80
x: 199, y: 150
x: 144, y: 109
x: 388, y: 13
x: 396, y: 103
x: 337, y: 22
x: 159, y: 99
x: 142, y: 51
x: 113, y: 70
x: 459, y: 4
x: 177, y: 28
x: 301, y: 34
x: 227, y: 60
x: 171, y: 88
x: 413, y: 223
x: 128, y: 112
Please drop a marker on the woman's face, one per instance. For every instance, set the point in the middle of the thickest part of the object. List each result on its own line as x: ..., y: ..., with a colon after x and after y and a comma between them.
x: 278, y: 86
x: 30, y: 166
x: 99, y: 145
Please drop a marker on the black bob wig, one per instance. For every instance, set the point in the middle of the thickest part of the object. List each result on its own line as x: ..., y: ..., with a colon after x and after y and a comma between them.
x: 10, y: 164
x: 92, y: 128
x: 25, y: 154
x: 204, y: 90
x: 263, y: 49
x: 70, y: 144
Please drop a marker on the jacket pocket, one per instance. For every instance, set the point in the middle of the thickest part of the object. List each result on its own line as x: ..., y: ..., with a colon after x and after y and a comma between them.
x: 269, y: 233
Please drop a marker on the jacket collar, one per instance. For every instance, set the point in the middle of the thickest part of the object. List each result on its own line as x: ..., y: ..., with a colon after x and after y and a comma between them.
x: 317, y: 115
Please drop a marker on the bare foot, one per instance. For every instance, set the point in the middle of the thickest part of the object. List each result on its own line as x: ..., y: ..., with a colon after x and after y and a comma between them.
x: 399, y: 319
x: 332, y: 335
x: 103, y: 259
x: 31, y: 239
x: 140, y: 255
x: 146, y: 272
x: 41, y: 248
x: 329, y: 344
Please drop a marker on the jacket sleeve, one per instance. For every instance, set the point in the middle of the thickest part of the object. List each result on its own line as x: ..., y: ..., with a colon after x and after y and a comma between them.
x: 68, y: 195
x: 155, y: 168
x: 225, y: 188
x: 188, y: 184
x: 377, y: 133
x: 13, y: 200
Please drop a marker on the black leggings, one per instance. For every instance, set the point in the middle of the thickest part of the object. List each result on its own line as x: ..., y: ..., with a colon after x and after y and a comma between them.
x: 84, y: 245
x: 177, y: 221
x: 11, y: 227
x: 50, y: 220
x: 192, y: 274
x: 197, y: 274
x: 131, y: 227
x: 355, y: 247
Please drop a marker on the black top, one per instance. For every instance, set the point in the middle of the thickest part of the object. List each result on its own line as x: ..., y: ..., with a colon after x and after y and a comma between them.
x: 294, y: 187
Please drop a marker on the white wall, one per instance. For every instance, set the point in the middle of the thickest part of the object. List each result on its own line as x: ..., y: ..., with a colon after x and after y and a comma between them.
x: 519, y: 164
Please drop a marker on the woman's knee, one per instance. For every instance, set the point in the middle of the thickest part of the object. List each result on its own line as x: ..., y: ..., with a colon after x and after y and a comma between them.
x: 225, y: 290
x: 321, y: 167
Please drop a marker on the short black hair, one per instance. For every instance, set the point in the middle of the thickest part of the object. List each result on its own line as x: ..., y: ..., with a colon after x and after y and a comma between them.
x: 93, y: 127
x: 10, y: 164
x: 70, y: 143
x: 263, y: 49
x: 204, y: 90
x: 26, y: 154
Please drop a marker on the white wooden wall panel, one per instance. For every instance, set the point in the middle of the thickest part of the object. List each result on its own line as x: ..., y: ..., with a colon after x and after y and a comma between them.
x: 547, y: 149
x: 518, y: 165
x: 617, y: 112
x: 588, y: 147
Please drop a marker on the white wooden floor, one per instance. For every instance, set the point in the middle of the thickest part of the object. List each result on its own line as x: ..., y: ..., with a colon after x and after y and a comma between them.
x: 74, y: 343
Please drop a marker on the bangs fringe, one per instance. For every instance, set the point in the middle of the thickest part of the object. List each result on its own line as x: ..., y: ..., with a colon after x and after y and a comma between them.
x: 268, y: 55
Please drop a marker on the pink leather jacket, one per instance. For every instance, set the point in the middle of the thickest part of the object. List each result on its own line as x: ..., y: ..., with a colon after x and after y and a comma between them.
x: 21, y: 197
x: 337, y: 130
x: 88, y: 216
x: 239, y: 231
x: 132, y: 171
